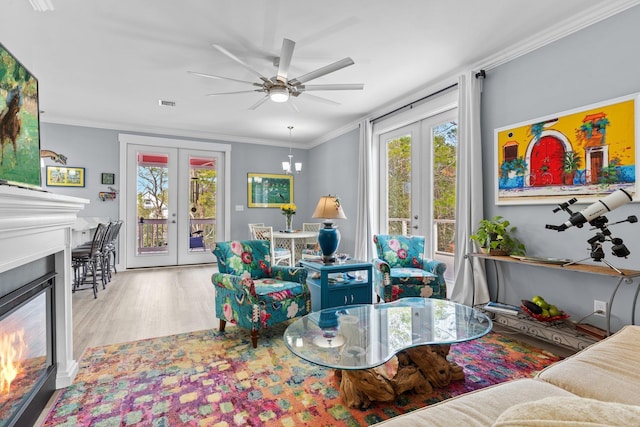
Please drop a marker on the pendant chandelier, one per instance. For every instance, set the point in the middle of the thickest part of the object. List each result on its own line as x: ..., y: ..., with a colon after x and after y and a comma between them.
x: 289, y: 166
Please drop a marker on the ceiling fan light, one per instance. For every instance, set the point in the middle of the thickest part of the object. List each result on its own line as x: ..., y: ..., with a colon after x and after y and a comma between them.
x: 279, y: 94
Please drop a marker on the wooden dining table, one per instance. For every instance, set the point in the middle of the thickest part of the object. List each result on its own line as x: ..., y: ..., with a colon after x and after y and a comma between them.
x: 294, y: 241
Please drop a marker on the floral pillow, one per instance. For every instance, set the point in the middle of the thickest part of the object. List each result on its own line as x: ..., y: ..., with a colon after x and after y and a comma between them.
x: 238, y: 257
x: 400, y: 251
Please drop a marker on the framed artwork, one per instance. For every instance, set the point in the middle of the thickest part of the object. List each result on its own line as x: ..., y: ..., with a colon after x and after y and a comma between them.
x: 19, y: 123
x: 585, y: 153
x: 269, y: 190
x: 108, y: 178
x: 65, y: 176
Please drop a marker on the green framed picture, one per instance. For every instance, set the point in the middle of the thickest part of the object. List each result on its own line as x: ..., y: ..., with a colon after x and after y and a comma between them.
x: 266, y: 190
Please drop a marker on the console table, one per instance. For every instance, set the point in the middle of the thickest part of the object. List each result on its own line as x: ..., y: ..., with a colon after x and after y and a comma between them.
x: 625, y: 276
x: 339, y: 284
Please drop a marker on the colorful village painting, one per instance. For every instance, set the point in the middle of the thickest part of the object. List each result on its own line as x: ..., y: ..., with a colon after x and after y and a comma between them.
x: 585, y: 153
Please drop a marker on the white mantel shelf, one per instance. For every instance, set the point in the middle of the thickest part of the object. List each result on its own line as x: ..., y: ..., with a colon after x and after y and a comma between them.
x: 35, y: 224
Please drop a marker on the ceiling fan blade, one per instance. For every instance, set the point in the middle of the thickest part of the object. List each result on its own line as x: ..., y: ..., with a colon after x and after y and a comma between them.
x: 321, y: 99
x: 286, y: 53
x: 307, y: 88
x: 232, y: 93
x: 211, y: 76
x: 322, y: 71
x: 259, y: 103
x: 239, y: 61
x: 293, y: 105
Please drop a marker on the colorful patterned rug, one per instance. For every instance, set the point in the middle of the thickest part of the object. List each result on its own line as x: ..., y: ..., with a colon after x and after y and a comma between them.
x: 209, y: 378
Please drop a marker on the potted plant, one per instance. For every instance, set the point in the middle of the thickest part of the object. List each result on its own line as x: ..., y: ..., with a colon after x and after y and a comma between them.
x: 495, y: 237
x: 570, y: 165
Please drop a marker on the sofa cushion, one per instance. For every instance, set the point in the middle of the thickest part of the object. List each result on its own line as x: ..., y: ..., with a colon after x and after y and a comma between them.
x: 569, y: 412
x: 478, y: 408
x: 608, y: 370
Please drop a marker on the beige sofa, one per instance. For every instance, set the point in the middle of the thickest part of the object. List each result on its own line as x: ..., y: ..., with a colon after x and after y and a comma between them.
x: 599, y: 385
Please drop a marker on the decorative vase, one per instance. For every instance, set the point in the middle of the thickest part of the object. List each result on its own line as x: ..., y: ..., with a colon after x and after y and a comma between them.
x: 289, y: 218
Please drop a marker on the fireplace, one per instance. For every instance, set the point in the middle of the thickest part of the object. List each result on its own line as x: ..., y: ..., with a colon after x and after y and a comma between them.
x: 36, y: 327
x: 27, y: 341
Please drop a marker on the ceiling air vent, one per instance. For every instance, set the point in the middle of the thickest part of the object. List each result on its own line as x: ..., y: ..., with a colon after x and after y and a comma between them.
x: 164, y: 103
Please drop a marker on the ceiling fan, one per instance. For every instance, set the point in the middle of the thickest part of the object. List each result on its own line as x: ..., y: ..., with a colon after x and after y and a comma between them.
x: 280, y: 88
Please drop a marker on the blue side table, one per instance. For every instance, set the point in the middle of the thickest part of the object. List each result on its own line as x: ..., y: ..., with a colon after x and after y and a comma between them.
x: 335, y: 284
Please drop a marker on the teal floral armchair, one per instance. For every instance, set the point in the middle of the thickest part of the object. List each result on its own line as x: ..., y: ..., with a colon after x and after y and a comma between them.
x: 401, y: 271
x: 252, y: 293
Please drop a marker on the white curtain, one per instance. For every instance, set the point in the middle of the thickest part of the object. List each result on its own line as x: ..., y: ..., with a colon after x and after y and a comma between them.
x: 363, y: 249
x: 469, y: 198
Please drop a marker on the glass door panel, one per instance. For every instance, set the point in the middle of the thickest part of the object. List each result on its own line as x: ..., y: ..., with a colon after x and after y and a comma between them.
x: 152, y: 217
x: 402, y: 179
x: 200, y: 205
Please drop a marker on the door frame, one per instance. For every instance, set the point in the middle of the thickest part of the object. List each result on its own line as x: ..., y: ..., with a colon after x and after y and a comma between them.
x: 155, y: 141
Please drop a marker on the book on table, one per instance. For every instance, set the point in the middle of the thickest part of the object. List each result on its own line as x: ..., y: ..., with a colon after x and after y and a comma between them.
x: 499, y: 307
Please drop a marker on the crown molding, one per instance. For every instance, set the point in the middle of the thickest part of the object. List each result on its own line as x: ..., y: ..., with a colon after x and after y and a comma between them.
x: 559, y: 30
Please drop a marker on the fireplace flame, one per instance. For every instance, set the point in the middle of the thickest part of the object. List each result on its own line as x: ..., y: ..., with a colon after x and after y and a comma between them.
x: 12, y: 346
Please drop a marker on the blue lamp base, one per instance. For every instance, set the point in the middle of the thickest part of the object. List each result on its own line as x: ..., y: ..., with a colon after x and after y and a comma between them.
x: 328, y: 239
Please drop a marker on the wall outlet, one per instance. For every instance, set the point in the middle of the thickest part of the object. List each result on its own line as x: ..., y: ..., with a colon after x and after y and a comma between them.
x: 600, y: 308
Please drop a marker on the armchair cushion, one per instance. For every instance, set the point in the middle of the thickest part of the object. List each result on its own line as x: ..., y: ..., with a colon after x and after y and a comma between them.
x: 244, y: 256
x: 400, y: 251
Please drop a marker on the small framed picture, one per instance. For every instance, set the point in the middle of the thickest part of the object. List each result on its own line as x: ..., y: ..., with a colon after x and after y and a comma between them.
x: 65, y: 176
x: 108, y: 178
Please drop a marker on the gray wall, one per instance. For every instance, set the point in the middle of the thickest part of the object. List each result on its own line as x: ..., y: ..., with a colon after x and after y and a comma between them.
x: 590, y: 66
x: 335, y: 171
x: 98, y: 150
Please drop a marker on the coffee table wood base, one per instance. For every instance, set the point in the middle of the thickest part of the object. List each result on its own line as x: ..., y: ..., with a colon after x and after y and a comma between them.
x: 419, y: 370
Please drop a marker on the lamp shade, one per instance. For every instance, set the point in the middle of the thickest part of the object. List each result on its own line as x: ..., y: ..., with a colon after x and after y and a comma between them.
x: 329, y: 207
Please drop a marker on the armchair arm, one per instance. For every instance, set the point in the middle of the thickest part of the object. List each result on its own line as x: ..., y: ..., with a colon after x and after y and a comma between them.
x: 381, y: 266
x: 237, y: 284
x: 434, y: 266
x: 289, y: 274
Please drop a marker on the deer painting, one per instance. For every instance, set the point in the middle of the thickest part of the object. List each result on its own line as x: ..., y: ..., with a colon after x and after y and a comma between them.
x: 10, y: 122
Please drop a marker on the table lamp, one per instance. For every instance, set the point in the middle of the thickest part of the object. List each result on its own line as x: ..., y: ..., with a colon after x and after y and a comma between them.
x: 329, y: 208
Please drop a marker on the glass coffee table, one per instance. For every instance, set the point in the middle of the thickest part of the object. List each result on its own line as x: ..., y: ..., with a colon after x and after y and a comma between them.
x: 383, y: 350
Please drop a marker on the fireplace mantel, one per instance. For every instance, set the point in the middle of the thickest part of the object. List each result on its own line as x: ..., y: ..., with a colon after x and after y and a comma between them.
x: 35, y: 224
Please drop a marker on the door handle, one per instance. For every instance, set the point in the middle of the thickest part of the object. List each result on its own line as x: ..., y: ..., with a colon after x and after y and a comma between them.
x: 173, y: 222
x: 415, y: 227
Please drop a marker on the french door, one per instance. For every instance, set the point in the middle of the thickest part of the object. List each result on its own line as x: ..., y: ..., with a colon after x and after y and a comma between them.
x: 174, y: 205
x: 417, y: 188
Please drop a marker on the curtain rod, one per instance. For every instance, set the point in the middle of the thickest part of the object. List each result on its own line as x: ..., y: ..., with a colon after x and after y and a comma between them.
x: 479, y: 75
x: 410, y: 105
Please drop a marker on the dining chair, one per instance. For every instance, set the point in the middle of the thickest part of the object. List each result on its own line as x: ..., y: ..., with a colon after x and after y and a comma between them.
x: 278, y: 255
x: 311, y: 242
x: 255, y: 224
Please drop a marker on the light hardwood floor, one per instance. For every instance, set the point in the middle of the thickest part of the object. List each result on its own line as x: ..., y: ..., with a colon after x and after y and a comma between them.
x: 144, y: 303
